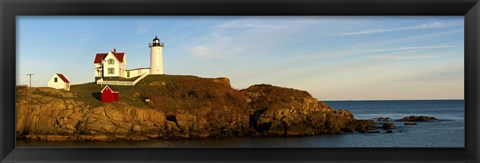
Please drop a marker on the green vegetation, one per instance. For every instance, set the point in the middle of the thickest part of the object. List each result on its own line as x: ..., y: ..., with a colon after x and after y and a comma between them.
x: 277, y: 98
x: 163, y: 78
x: 155, y: 87
x: 191, y: 94
x: 123, y: 79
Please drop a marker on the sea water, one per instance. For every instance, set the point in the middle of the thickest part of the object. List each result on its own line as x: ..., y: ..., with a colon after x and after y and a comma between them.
x: 448, y: 131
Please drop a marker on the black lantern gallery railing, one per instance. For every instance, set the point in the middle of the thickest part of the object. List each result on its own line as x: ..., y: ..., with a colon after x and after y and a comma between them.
x: 155, y: 44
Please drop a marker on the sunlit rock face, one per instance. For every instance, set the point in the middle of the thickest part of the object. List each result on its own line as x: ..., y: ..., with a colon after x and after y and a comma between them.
x: 186, y: 108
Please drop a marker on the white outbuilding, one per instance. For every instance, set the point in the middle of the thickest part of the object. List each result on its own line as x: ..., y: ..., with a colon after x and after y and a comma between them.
x: 59, y: 81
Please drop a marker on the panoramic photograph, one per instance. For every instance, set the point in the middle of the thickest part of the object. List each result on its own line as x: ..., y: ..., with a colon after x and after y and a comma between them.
x: 240, y: 81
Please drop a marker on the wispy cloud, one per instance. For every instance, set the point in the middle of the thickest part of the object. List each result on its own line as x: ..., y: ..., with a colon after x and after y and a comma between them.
x: 216, y: 48
x: 259, y: 24
x: 382, y: 30
x: 414, y: 48
x: 347, y: 61
x: 245, y: 37
x: 402, y: 56
x: 411, y: 52
x: 404, y: 52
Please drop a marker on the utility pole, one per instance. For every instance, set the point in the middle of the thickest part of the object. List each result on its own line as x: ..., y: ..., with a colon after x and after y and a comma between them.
x: 30, y: 75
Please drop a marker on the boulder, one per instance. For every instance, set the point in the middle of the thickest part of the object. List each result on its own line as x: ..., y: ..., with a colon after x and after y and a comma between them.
x: 382, y: 119
x: 136, y: 128
x: 223, y: 80
x: 388, y: 126
x: 418, y: 118
x: 364, y: 125
x: 185, y: 121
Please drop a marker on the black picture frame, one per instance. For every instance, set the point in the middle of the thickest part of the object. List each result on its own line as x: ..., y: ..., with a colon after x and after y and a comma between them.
x: 9, y: 9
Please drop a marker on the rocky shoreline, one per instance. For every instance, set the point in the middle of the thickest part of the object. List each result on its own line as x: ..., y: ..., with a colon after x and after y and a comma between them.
x: 385, y: 123
x: 363, y: 126
x: 260, y: 110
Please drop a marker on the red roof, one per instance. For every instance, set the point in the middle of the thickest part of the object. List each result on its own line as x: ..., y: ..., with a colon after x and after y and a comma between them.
x: 63, y: 78
x: 100, y: 56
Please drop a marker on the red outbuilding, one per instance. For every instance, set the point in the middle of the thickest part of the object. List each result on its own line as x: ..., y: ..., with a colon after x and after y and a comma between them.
x: 108, y: 95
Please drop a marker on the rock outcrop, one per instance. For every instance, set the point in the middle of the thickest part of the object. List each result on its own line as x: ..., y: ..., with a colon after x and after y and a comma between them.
x: 418, y: 119
x: 289, y: 112
x: 184, y: 109
x: 43, y: 116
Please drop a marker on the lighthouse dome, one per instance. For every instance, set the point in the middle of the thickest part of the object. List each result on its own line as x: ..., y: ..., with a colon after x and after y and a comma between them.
x: 156, y: 39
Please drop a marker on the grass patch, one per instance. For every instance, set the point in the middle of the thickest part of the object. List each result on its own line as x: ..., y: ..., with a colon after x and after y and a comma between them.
x: 132, y: 95
x: 190, y: 92
x: 122, y: 79
x: 148, y: 80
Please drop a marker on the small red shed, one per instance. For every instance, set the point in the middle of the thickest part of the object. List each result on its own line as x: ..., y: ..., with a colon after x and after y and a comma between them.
x: 108, y: 95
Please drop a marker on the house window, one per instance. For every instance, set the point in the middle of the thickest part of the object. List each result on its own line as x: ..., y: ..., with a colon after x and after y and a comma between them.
x: 111, y: 61
x: 110, y: 70
x: 55, y: 79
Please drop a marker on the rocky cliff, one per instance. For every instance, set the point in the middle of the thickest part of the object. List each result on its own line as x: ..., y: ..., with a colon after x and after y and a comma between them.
x: 184, y: 108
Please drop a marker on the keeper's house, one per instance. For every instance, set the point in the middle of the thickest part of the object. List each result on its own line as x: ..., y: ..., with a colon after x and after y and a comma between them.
x: 112, y: 66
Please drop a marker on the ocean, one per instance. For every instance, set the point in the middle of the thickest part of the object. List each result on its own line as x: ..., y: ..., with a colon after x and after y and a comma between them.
x: 448, y: 131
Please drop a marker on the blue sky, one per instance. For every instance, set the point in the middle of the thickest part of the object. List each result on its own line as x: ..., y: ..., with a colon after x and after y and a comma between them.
x: 333, y: 58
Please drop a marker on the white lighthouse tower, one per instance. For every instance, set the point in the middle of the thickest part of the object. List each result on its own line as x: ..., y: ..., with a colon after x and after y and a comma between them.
x: 156, y: 60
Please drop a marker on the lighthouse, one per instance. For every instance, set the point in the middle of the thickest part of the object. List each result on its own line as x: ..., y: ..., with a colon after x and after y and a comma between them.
x: 156, y: 60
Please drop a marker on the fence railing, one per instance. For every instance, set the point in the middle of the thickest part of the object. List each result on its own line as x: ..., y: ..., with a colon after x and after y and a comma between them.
x: 124, y: 83
x: 140, y: 78
x: 78, y: 83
